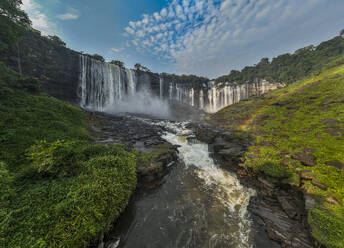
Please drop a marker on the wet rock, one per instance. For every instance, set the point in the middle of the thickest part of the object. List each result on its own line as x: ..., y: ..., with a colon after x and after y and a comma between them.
x: 266, y: 183
x: 332, y: 200
x: 305, y: 158
x: 232, y: 152
x: 319, y: 185
x: 336, y: 163
x: 288, y: 206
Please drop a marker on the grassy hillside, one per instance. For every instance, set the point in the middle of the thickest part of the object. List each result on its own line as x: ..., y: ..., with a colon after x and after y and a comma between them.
x: 299, y: 134
x: 56, y: 190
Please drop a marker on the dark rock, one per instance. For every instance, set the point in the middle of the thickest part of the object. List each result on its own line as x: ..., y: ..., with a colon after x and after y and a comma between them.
x: 281, y: 103
x: 319, y: 185
x: 292, y: 107
x: 233, y: 152
x: 310, y: 202
x: 306, y: 175
x: 336, y: 163
x: 288, y: 206
x: 329, y: 121
x: 309, y: 150
x: 305, y: 158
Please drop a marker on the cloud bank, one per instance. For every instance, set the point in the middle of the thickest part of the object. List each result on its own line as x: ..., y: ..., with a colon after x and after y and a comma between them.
x: 197, y: 36
x: 39, y: 20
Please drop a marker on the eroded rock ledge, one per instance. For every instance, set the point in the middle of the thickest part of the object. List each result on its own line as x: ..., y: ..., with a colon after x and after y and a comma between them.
x: 278, y: 211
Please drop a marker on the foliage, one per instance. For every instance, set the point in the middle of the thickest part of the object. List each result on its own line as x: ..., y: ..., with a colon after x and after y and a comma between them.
x: 59, y: 158
x: 341, y: 33
x: 186, y: 80
x: 298, y: 126
x: 66, y: 192
x: 117, y: 62
x: 326, y: 227
x: 98, y: 57
x: 288, y: 68
x: 140, y: 67
x: 57, y: 40
x: 11, y: 9
x: 13, y: 23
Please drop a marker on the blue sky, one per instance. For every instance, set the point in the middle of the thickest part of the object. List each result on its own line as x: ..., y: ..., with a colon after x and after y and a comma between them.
x: 202, y: 37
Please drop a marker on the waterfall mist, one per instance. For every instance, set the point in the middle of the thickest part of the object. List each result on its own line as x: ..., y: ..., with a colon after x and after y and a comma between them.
x: 142, y: 102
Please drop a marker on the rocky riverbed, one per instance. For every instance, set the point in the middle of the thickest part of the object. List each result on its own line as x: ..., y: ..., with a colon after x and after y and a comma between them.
x: 276, y: 213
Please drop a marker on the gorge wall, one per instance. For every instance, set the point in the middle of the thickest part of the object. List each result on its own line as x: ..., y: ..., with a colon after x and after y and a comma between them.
x: 95, y: 85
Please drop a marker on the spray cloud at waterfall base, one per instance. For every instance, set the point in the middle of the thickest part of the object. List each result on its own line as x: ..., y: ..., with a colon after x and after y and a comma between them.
x: 142, y: 102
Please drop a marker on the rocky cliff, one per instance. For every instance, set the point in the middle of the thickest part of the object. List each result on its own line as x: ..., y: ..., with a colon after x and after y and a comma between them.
x: 56, y: 66
x: 96, y: 85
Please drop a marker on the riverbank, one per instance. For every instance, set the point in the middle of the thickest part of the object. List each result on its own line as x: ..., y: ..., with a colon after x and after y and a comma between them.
x: 298, y: 143
x: 277, y: 210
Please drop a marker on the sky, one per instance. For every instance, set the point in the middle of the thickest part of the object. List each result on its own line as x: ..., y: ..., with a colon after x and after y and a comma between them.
x: 202, y: 37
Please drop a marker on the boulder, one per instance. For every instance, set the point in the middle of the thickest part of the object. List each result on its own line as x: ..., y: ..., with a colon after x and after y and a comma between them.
x: 319, y: 185
x: 336, y: 163
x: 306, y: 175
x: 305, y: 158
x: 329, y: 121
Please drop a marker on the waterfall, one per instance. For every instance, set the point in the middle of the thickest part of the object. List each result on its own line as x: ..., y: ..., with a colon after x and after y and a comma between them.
x: 111, y: 88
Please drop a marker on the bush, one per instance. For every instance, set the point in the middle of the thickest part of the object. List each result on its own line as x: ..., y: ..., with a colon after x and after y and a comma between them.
x: 275, y: 170
x: 326, y: 227
x: 60, y: 158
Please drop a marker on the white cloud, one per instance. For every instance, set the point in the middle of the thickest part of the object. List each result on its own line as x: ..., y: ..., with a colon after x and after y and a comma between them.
x: 116, y: 50
x: 201, y: 36
x: 68, y: 16
x: 39, y: 20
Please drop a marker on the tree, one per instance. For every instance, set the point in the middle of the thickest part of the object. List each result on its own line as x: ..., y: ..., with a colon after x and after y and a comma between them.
x: 11, y: 9
x: 342, y: 33
x: 98, y: 57
x: 57, y: 40
x: 140, y: 67
x: 13, y: 23
x: 117, y: 62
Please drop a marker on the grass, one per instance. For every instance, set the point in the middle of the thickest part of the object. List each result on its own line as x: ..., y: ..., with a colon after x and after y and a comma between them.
x: 309, y: 120
x: 56, y: 190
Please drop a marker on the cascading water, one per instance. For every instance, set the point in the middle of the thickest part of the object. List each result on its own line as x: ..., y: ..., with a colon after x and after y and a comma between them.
x: 199, y: 205
x: 109, y: 88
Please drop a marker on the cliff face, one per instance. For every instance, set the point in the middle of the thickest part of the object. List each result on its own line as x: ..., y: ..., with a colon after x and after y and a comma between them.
x: 81, y: 79
x: 57, y: 67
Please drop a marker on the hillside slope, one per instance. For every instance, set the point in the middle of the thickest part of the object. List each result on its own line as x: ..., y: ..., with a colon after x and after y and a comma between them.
x: 299, y: 133
x: 56, y: 190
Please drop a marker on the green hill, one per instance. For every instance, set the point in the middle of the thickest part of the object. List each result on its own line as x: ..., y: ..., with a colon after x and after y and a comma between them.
x: 299, y: 134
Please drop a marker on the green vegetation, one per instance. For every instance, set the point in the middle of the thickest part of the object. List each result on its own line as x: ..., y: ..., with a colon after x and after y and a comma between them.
x: 299, y: 130
x: 56, y: 190
x: 288, y: 68
x: 187, y: 80
x: 13, y: 23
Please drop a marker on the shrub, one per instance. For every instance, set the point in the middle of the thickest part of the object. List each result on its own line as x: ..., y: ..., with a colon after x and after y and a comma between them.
x: 327, y: 228
x: 275, y: 170
x: 59, y: 158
